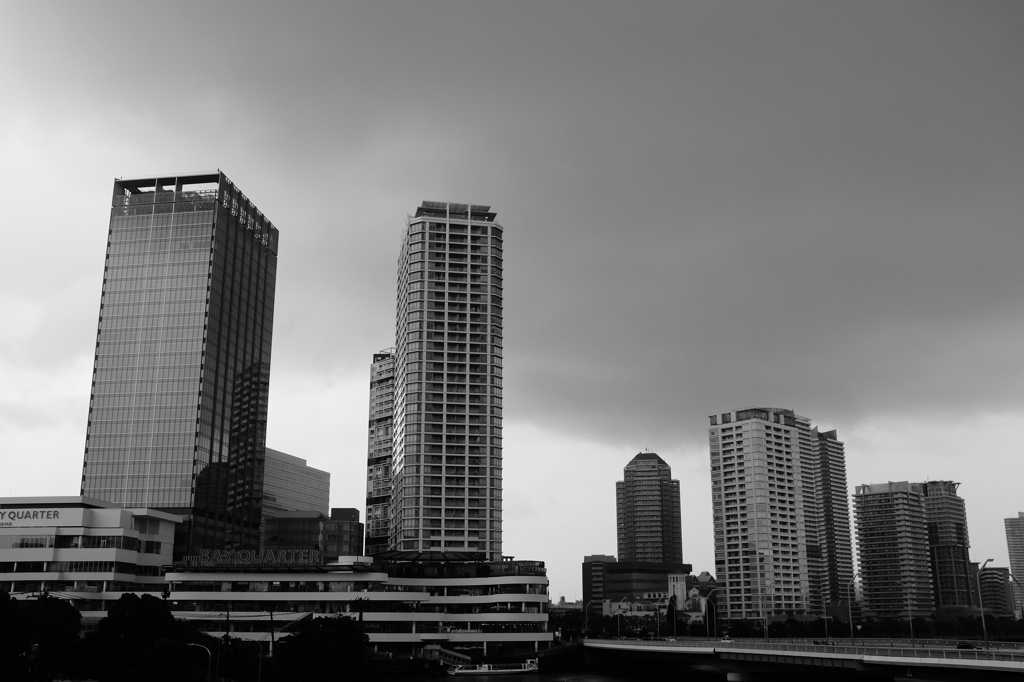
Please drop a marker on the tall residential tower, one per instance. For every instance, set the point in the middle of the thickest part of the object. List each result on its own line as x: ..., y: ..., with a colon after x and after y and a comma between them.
x: 948, y: 545
x: 178, y: 413
x: 649, y: 523
x: 892, y: 544
x: 378, y: 462
x: 446, y: 463
x: 781, y: 515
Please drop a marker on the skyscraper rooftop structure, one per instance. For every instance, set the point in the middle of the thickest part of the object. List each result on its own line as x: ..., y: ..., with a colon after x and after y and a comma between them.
x: 447, y: 453
x: 892, y: 545
x: 781, y: 514
x: 178, y: 411
x: 378, y: 462
x: 649, y: 523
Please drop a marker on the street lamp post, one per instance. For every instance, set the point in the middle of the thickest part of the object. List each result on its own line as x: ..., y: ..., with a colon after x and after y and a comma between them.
x: 707, y: 603
x: 764, y: 611
x: 1016, y: 592
x: 209, y: 658
x: 657, y: 613
x: 586, y: 618
x: 849, y: 603
x: 910, y: 609
x: 981, y: 601
x: 618, y: 618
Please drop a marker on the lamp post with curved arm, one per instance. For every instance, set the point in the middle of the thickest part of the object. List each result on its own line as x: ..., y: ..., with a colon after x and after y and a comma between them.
x: 849, y: 603
x: 209, y: 658
x: 1019, y: 590
x: 618, y: 618
x: 981, y: 601
x: 707, y: 603
x: 586, y: 618
x: 764, y: 612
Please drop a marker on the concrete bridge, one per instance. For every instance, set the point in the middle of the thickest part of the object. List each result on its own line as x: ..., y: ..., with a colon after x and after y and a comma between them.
x: 756, y: 660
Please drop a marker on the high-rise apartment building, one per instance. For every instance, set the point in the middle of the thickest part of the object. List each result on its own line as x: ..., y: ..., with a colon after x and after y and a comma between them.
x: 781, y: 515
x: 836, y: 538
x: 649, y: 523
x: 892, y: 544
x: 446, y: 463
x: 996, y: 596
x: 378, y: 461
x: 1015, y: 550
x: 948, y: 544
x: 178, y: 412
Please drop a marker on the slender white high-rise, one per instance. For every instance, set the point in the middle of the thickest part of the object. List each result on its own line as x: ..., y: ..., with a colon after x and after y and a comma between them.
x: 446, y: 462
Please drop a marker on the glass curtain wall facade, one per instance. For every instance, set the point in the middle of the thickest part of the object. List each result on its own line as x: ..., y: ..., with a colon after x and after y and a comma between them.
x: 177, y: 416
x: 378, y: 463
x: 447, y: 463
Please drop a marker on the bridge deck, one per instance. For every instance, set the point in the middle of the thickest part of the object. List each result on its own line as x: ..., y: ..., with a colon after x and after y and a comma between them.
x: 859, y: 656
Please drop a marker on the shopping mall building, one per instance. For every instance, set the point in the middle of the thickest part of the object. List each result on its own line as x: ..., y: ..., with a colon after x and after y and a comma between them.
x: 91, y: 552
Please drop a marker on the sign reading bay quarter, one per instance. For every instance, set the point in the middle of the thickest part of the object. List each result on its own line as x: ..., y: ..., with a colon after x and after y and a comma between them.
x: 245, y: 557
x: 30, y: 517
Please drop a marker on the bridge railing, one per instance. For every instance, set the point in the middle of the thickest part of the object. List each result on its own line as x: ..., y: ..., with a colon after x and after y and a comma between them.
x: 834, y: 649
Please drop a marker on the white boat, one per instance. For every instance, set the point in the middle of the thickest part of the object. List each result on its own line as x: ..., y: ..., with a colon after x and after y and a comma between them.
x: 530, y: 666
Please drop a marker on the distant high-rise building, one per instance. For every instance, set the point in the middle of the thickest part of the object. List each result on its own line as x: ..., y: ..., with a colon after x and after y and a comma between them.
x: 447, y: 456
x: 948, y: 544
x: 290, y: 484
x: 836, y: 539
x: 649, y: 524
x: 378, y: 460
x: 892, y: 545
x: 178, y: 412
x: 337, y: 536
x: 996, y: 590
x: 781, y: 515
x: 1015, y: 550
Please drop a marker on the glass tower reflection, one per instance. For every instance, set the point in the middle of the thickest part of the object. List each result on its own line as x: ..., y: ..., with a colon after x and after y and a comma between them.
x: 178, y: 414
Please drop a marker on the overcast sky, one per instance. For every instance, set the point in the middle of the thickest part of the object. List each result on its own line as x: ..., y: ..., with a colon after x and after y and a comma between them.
x: 707, y: 205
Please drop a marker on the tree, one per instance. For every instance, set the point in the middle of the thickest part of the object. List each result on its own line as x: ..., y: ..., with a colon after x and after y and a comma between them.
x: 321, y: 649
x: 140, y: 640
x: 52, y: 625
x: 14, y: 638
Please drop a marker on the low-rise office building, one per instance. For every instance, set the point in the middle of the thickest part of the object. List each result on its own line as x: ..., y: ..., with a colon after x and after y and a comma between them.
x: 82, y: 549
x: 334, y: 537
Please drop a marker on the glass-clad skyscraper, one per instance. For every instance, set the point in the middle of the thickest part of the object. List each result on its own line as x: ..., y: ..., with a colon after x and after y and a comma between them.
x: 178, y: 414
x: 446, y: 464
